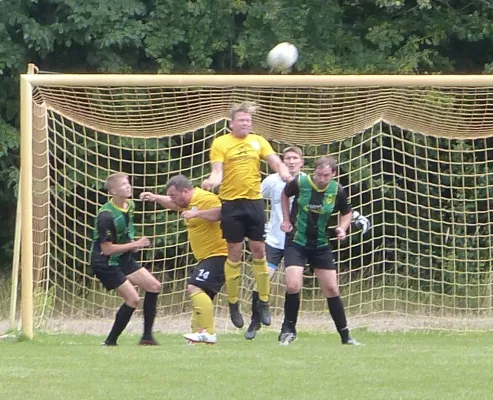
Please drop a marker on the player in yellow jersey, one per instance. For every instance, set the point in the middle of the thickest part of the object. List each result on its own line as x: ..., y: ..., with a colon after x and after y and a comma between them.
x: 235, y: 159
x: 202, y: 212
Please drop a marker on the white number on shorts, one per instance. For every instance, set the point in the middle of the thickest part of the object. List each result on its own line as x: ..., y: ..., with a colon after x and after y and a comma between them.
x: 203, y: 274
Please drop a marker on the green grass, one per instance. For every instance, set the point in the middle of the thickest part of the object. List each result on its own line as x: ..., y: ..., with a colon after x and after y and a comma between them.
x: 389, y: 366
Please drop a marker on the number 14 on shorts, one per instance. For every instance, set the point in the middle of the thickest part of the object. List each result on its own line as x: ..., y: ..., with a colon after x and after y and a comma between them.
x: 202, y: 275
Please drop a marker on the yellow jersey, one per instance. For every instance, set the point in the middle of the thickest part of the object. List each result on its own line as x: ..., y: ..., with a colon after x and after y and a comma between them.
x: 241, y: 165
x: 206, y: 237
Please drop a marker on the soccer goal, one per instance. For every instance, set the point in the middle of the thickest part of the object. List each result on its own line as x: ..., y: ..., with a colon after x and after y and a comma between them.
x: 415, y: 156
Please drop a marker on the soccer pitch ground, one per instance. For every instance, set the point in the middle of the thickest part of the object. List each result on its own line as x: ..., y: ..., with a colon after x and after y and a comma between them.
x: 389, y: 366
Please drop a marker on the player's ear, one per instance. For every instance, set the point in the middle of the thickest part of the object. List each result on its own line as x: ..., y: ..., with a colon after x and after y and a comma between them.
x: 109, y: 189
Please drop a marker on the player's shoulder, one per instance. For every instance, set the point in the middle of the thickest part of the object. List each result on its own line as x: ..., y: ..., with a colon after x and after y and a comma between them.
x: 105, y: 208
x: 130, y: 205
x: 254, y: 136
x: 105, y: 214
x: 339, y: 185
x: 301, y: 176
x: 272, y: 178
x: 340, y: 191
x: 200, y: 195
x: 222, y: 140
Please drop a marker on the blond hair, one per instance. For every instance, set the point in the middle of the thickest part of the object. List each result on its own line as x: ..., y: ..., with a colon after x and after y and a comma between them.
x: 249, y: 107
x: 114, y: 179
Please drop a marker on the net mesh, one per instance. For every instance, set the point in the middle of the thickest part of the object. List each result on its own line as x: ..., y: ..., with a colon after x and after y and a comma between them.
x: 323, y: 114
x: 416, y: 161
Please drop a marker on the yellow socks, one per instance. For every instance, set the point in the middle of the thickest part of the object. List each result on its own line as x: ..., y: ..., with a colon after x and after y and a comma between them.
x: 203, y: 312
x: 195, y: 322
x: 260, y: 273
x: 232, y: 274
x: 262, y: 279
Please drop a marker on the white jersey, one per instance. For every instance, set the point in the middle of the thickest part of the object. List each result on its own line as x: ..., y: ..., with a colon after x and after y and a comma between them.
x: 272, y: 188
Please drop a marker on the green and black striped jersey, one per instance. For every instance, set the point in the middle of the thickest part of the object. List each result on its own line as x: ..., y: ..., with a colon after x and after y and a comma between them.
x: 312, y: 208
x: 113, y: 224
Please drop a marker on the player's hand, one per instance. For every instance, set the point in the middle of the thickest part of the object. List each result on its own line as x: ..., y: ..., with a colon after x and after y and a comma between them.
x: 286, y: 226
x: 340, y: 233
x: 190, y: 214
x: 142, y: 242
x: 361, y: 222
x: 147, y: 196
x: 209, y: 185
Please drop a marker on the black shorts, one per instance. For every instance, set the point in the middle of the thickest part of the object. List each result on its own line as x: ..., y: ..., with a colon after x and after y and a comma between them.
x: 208, y: 275
x: 113, y: 276
x: 318, y: 258
x: 243, y: 218
x: 274, y: 256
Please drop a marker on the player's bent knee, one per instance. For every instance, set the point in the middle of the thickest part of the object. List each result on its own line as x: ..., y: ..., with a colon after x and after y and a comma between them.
x: 294, y: 279
x: 129, y: 294
x: 235, y: 252
x: 293, y: 287
x: 132, y: 301
x: 258, y: 255
x: 155, y: 286
x: 331, y: 291
x: 257, y: 248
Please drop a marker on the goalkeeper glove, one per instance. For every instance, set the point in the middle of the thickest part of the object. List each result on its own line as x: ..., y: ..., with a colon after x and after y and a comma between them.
x: 361, y: 222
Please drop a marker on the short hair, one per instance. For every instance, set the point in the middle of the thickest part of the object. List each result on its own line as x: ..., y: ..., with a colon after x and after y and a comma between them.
x: 326, y: 161
x: 180, y: 182
x: 113, y: 179
x: 293, y: 149
x: 249, y: 107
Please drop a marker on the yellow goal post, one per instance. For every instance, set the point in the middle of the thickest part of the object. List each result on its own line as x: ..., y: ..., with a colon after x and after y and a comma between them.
x: 415, y: 156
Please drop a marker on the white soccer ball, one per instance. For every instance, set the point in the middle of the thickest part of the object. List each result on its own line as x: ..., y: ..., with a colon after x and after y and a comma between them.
x: 283, y: 56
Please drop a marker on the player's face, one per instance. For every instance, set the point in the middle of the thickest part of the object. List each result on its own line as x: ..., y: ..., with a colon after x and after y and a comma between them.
x: 293, y: 161
x: 241, y: 125
x: 122, y: 189
x: 181, y: 199
x: 322, y: 176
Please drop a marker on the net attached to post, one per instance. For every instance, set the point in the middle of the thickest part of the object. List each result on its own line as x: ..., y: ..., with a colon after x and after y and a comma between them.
x: 416, y: 160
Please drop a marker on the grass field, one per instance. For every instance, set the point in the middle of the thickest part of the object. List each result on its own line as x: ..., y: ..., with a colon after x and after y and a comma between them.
x: 316, y: 366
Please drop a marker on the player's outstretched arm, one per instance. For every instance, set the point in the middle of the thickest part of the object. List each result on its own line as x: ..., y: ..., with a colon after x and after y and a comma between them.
x: 212, y: 214
x: 215, y: 178
x: 277, y: 165
x: 162, y: 200
x: 361, y: 222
